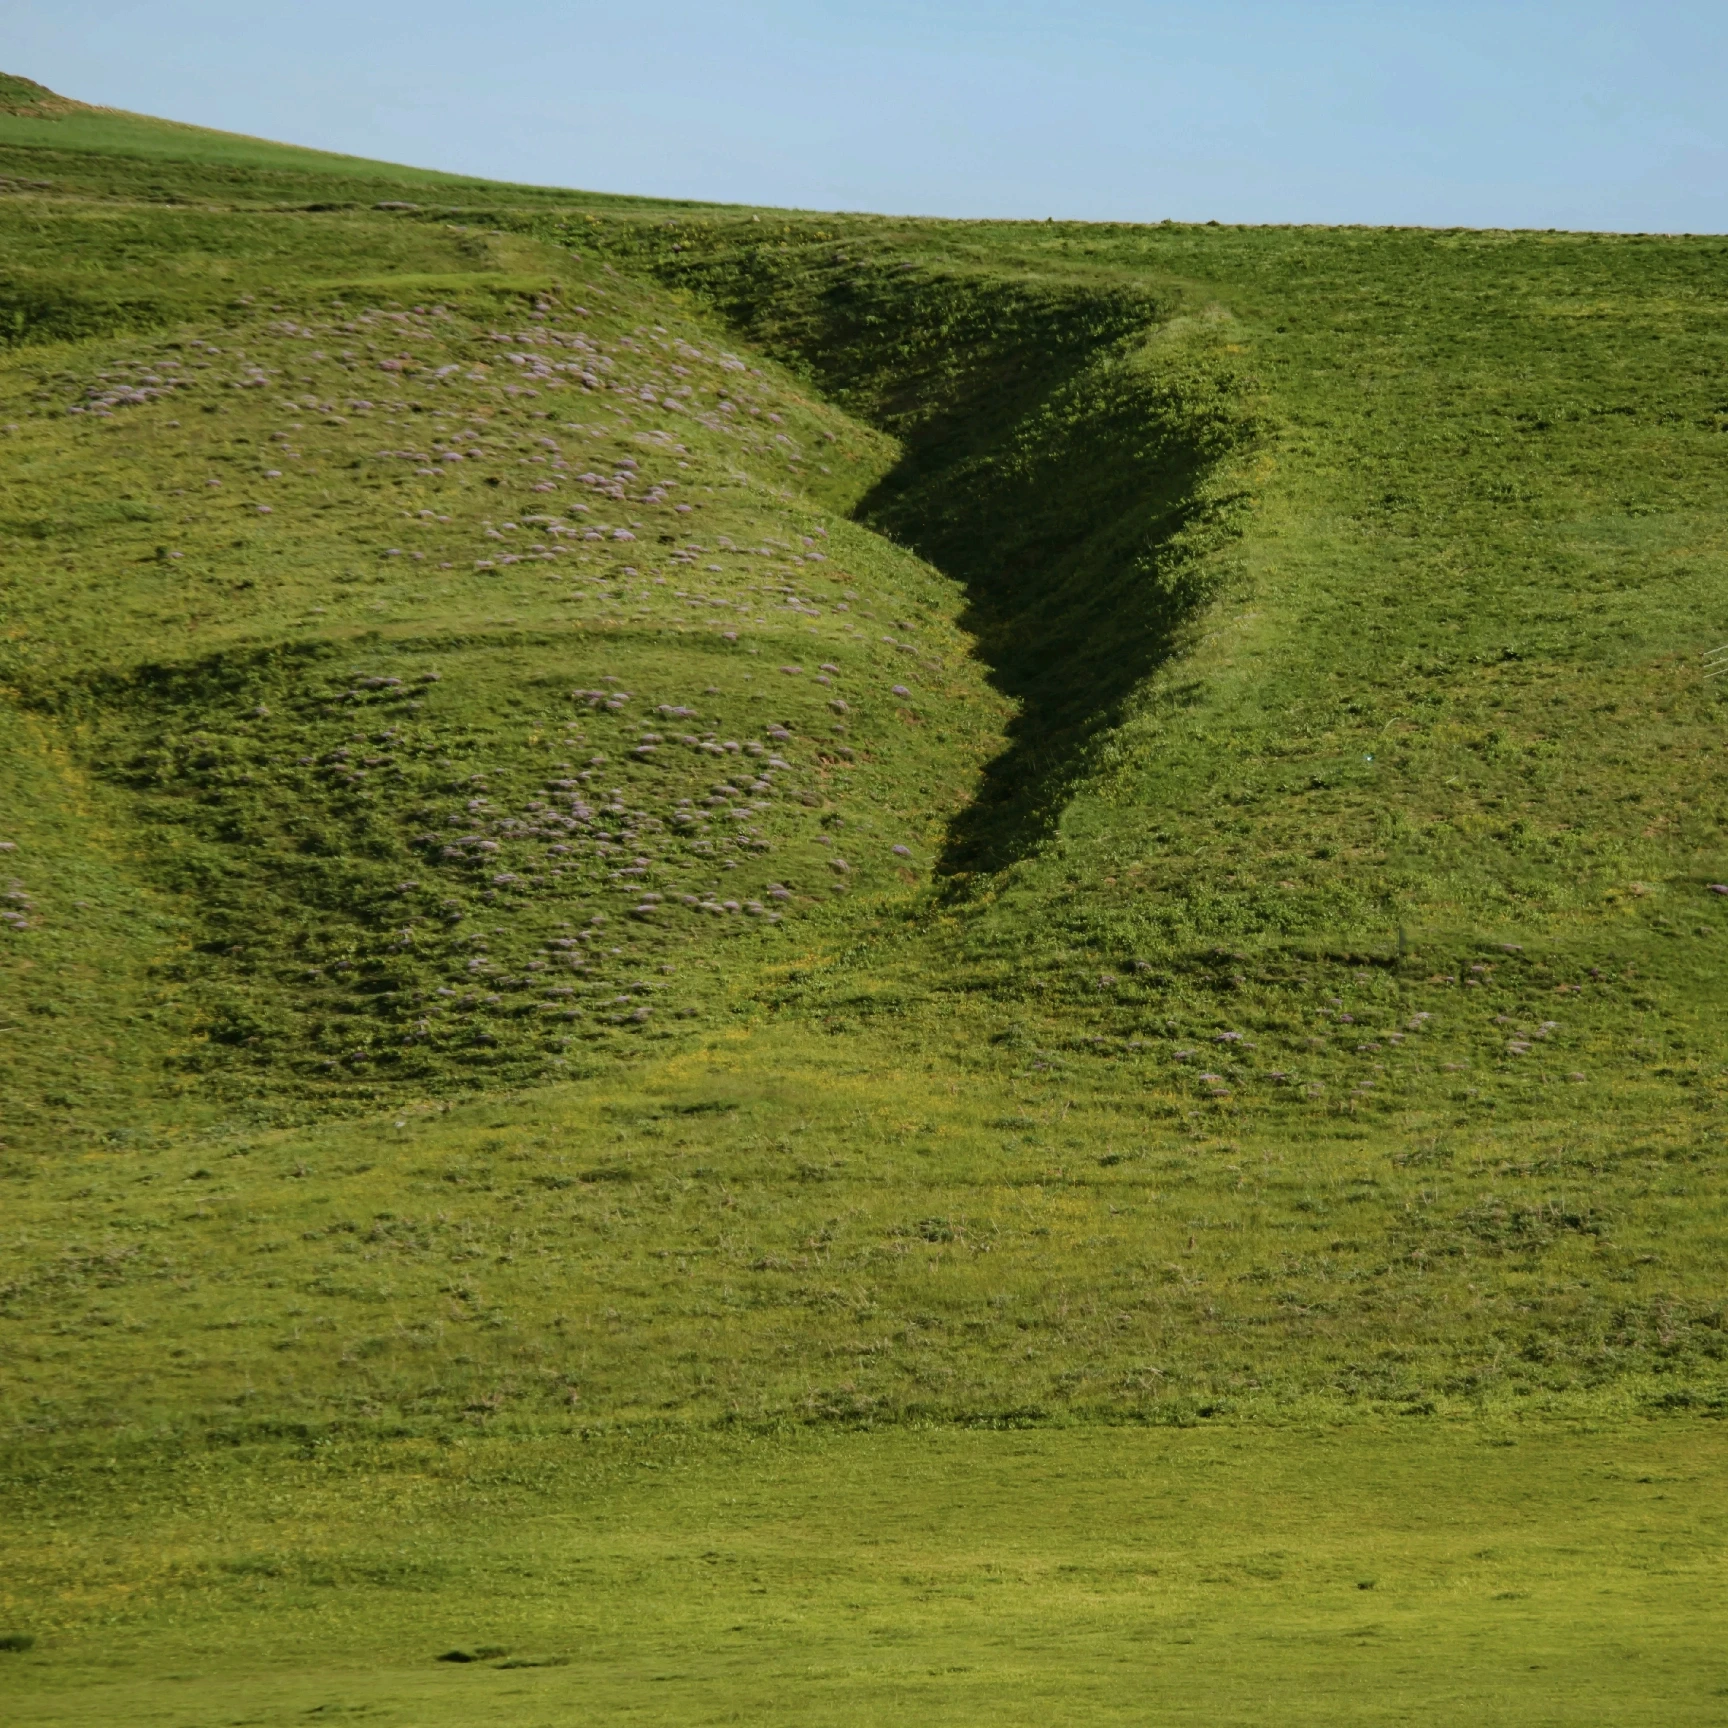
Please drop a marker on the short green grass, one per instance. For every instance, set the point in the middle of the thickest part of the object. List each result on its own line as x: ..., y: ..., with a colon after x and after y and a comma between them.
x: 981, y: 860
x: 1417, y: 1572
x: 760, y: 1233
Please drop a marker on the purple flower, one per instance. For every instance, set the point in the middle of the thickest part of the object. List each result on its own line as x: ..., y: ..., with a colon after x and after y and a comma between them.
x: 902, y: 851
x: 901, y: 690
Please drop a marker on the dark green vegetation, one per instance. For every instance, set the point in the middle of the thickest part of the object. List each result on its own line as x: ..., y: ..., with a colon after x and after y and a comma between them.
x: 626, y: 820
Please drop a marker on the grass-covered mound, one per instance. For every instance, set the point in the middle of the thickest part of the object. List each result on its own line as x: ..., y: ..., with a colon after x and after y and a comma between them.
x: 439, y: 715
x: 626, y: 821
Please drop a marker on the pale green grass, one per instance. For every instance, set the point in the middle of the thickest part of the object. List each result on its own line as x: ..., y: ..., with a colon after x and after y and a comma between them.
x: 1416, y: 1573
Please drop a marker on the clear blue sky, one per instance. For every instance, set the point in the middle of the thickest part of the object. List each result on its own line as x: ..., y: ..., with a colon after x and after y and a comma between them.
x: 1530, y: 113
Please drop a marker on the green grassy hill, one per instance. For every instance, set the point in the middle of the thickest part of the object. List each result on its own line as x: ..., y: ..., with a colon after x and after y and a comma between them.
x: 653, y: 838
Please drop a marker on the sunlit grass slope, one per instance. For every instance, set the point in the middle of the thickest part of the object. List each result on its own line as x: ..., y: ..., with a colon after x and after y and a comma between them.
x: 627, y: 824
x: 442, y: 659
x: 767, y: 1232
x: 448, y: 657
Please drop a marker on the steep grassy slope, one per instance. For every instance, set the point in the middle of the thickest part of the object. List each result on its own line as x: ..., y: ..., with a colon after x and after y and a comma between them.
x: 1468, y: 504
x: 1441, y: 759
x: 631, y: 820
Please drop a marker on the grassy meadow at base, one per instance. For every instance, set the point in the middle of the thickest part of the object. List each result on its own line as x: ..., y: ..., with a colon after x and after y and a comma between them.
x: 836, y: 969
x: 1509, y: 1574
